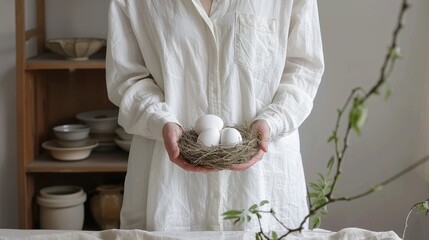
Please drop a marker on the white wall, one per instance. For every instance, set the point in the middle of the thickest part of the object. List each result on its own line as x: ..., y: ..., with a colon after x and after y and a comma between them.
x: 356, y: 35
x: 8, y: 178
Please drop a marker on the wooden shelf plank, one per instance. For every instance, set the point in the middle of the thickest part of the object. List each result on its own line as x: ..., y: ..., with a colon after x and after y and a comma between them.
x: 51, y: 61
x: 109, y: 161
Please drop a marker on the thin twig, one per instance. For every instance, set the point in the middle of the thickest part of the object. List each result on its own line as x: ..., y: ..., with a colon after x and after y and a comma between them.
x: 387, y: 181
x: 390, y: 58
x: 408, y: 216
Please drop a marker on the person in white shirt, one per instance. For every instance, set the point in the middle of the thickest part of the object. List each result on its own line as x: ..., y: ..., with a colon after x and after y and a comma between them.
x: 170, y: 62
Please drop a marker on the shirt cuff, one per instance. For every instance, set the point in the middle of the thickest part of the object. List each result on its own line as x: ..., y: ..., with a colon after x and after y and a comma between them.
x: 157, y: 120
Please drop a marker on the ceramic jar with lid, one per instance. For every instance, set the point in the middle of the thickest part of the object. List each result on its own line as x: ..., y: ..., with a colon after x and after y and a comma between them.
x: 61, y: 207
x: 106, y: 206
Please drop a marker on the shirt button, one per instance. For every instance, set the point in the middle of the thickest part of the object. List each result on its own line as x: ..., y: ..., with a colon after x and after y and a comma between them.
x: 216, y: 195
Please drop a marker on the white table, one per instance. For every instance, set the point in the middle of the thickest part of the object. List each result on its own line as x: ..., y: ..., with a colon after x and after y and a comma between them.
x: 318, y: 234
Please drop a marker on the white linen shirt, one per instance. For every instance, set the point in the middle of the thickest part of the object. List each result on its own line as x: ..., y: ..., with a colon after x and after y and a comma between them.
x: 169, y: 61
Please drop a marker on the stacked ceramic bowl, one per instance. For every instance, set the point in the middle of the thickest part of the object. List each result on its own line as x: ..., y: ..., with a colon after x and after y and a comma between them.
x: 61, y: 207
x: 123, y: 139
x: 72, y: 142
x: 102, y: 125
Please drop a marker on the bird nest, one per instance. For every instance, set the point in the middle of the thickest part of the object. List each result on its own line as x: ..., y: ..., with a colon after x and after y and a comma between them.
x: 219, y: 157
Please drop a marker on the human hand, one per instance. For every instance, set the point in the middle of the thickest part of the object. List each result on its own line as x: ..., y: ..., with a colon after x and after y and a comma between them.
x: 171, y: 133
x: 263, y: 130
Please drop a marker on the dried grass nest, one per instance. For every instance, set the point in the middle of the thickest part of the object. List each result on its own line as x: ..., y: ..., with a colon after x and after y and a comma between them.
x: 219, y: 157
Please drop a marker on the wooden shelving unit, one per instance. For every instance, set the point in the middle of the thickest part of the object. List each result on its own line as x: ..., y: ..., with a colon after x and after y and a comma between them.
x: 51, y: 61
x: 96, y: 163
x: 50, y: 92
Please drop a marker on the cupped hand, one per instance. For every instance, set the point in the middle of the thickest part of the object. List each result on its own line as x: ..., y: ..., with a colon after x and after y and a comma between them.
x: 171, y: 133
x: 262, y: 128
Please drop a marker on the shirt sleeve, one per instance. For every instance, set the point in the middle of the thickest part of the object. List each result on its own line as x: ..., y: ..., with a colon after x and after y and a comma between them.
x: 302, y: 73
x: 142, y: 108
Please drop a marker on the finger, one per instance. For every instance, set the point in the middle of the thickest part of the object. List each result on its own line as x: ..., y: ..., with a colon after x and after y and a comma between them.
x: 264, y: 138
x: 192, y: 168
x: 264, y: 134
x: 263, y: 144
x: 172, y: 148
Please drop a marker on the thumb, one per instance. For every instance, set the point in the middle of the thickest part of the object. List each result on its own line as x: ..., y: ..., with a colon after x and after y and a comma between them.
x: 262, y: 128
x: 263, y: 142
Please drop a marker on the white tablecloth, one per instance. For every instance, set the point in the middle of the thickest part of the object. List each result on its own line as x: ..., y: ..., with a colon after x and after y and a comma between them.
x: 318, y: 234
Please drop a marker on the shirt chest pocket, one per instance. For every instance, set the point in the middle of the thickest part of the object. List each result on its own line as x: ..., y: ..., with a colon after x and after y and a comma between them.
x: 255, y: 41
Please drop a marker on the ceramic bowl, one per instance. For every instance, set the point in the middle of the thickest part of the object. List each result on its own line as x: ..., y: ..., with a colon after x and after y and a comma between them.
x: 73, y: 144
x: 123, y: 135
x: 124, y: 144
x: 77, y: 49
x: 72, y: 132
x: 69, y: 154
x: 101, y: 121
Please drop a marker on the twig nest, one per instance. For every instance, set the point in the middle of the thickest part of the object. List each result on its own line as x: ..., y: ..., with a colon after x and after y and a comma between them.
x: 221, y: 156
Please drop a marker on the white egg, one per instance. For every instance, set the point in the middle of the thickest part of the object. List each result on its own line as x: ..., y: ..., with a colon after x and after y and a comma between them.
x: 209, y: 137
x: 208, y: 121
x: 230, y: 137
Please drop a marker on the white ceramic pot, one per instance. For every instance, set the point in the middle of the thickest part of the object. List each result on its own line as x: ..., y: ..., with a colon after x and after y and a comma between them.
x: 61, y: 192
x: 62, y: 208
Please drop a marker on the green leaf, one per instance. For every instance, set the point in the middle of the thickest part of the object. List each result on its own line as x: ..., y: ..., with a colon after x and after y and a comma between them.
x: 331, y: 164
x: 332, y: 138
x: 242, y: 219
x: 426, y: 205
x: 395, y: 52
x: 274, y: 235
x: 232, y: 212
x: 258, y: 236
x: 422, y: 207
x: 377, y: 188
x: 324, y: 210
x: 316, y: 222
x: 388, y: 92
x: 314, y: 195
x: 322, y: 177
x: 316, y: 187
x: 319, y: 202
x: 230, y: 217
x: 358, y: 116
x: 262, y: 203
x: 253, y: 207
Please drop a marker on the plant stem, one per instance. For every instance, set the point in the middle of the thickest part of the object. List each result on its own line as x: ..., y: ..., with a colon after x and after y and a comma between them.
x: 406, y: 220
x: 373, y: 189
x: 408, y: 216
x: 400, y: 24
x: 390, y: 58
x: 276, y: 218
x: 387, y: 181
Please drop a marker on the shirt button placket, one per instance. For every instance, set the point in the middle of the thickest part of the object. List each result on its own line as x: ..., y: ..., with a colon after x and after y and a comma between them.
x: 214, y: 101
